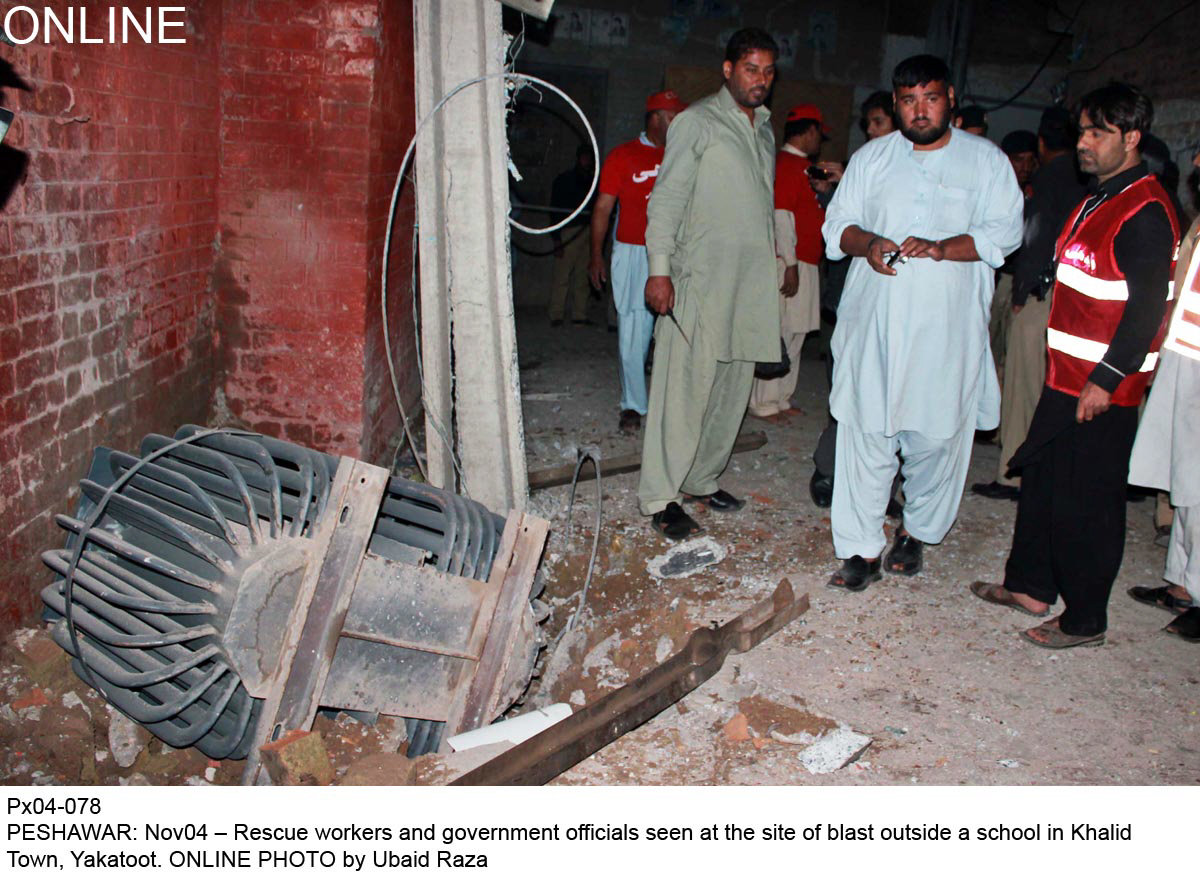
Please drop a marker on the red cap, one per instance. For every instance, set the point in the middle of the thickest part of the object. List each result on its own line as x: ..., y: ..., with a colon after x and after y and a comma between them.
x: 665, y: 100
x: 803, y: 111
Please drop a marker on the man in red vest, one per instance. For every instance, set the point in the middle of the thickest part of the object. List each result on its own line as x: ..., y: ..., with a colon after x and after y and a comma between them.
x: 1111, y: 284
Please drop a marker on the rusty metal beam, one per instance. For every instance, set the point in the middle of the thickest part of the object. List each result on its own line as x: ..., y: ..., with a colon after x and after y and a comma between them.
x: 548, y: 477
x: 553, y: 751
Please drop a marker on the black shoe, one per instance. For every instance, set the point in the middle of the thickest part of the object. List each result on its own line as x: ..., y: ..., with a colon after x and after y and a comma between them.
x: 820, y: 488
x: 673, y: 523
x: 894, y: 510
x: 996, y: 489
x: 1186, y: 626
x: 1159, y: 597
x: 720, y: 501
x: 986, y: 437
x: 905, y: 556
x: 630, y: 422
x: 855, y: 575
x: 582, y: 322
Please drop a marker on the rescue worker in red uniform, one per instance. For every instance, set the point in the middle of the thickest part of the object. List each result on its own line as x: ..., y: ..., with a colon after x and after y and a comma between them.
x: 798, y: 248
x: 1111, y: 285
x: 626, y: 179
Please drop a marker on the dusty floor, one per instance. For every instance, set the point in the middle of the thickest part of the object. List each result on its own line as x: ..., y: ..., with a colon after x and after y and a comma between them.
x: 936, y: 678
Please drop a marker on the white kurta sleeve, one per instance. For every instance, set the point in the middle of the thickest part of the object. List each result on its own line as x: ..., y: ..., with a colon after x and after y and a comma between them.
x: 998, y: 223
x: 845, y: 209
x: 785, y: 236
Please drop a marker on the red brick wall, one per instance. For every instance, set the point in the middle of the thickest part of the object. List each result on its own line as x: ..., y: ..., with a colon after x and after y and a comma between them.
x: 105, y: 269
x: 309, y: 112
x: 392, y: 125
x: 197, y: 238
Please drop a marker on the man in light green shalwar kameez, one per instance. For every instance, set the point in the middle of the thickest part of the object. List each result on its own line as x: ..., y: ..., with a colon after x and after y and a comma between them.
x: 711, y: 248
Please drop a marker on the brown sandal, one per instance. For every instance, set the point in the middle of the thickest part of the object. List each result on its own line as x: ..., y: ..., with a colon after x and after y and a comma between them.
x: 1057, y: 639
x: 995, y: 594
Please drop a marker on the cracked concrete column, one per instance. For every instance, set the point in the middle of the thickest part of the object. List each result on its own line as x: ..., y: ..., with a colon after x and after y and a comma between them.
x: 469, y: 351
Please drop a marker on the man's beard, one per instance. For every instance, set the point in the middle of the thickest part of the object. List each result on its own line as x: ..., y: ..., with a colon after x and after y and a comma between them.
x: 750, y: 98
x: 927, y: 136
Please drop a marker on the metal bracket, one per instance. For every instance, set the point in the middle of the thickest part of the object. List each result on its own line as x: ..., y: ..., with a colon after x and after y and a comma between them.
x: 320, y: 610
x: 512, y: 576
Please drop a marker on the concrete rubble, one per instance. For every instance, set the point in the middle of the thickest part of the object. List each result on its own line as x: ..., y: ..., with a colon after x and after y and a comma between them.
x: 834, y: 751
x: 686, y: 559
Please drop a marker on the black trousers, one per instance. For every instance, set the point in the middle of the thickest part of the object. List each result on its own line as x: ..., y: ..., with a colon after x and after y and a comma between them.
x: 1070, y: 533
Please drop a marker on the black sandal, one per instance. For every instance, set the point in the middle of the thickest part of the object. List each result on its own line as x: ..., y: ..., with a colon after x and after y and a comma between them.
x: 855, y: 575
x: 1159, y: 597
x: 673, y: 523
x: 720, y: 501
x: 1186, y: 626
x: 905, y: 553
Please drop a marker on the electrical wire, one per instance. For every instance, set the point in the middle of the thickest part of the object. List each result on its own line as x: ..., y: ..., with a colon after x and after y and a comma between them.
x: 583, y: 455
x: 1066, y: 32
x: 514, y: 81
x: 1138, y: 42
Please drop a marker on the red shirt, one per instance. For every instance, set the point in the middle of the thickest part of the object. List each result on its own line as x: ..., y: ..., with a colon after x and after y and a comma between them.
x: 628, y: 174
x: 794, y: 194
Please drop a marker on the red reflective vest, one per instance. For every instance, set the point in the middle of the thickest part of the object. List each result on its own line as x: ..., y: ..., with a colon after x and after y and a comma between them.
x: 1090, y: 294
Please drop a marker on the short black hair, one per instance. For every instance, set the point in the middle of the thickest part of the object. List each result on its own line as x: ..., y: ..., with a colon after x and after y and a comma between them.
x: 1120, y: 105
x: 973, y: 116
x: 747, y: 40
x: 1057, y: 129
x: 799, y: 127
x: 918, y: 70
x: 881, y: 100
x: 1017, y: 142
x: 877, y: 100
x: 1157, y: 156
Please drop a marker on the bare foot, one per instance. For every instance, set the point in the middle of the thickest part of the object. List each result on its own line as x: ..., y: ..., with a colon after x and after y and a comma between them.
x: 775, y: 417
x: 1029, y: 603
x: 1179, y: 592
x: 1039, y: 632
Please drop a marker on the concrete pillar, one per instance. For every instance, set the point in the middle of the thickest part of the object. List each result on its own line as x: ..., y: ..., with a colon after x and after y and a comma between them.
x: 466, y: 281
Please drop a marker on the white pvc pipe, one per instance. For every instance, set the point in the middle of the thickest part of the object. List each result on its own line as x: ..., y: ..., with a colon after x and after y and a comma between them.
x: 516, y: 729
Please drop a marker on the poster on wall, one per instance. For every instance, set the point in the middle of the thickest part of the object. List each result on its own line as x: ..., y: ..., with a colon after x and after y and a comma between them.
x: 618, y: 29
x: 822, y: 32
x: 787, y: 47
x: 576, y: 24
x: 601, y: 24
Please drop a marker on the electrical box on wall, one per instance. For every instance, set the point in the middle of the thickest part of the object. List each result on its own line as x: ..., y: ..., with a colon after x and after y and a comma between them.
x: 536, y: 8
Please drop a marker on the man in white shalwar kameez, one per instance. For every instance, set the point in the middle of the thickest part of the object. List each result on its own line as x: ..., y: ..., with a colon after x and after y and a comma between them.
x: 913, y: 373
x: 1166, y: 454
